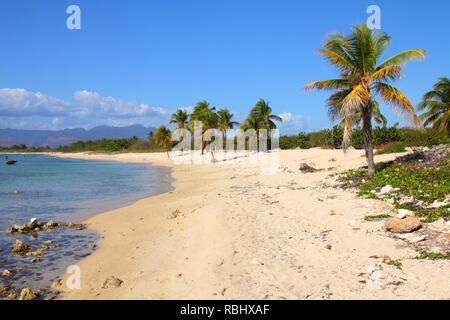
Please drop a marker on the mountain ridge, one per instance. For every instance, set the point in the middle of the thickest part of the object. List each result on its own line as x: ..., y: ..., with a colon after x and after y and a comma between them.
x: 55, y: 138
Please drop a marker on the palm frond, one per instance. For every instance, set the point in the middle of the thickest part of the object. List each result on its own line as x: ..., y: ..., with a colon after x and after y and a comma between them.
x: 388, y: 73
x: 404, y: 57
x: 332, y: 84
x: 399, y: 101
x: 336, y: 59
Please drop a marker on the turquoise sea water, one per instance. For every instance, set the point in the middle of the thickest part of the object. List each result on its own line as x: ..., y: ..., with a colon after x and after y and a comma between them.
x: 64, y: 190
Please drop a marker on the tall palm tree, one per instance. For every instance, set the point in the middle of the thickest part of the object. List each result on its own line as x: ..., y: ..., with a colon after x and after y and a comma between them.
x: 252, y: 122
x: 150, y: 136
x: 263, y: 112
x: 224, y: 122
x: 437, y: 103
x: 163, y: 138
x: 207, y: 116
x: 362, y: 77
x: 181, y: 118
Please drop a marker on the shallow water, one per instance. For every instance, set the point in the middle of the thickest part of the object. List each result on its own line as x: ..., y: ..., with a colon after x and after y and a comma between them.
x: 64, y: 190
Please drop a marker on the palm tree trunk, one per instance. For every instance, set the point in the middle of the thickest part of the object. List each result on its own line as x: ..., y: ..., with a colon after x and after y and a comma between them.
x: 223, y: 140
x: 203, y: 146
x: 368, y: 144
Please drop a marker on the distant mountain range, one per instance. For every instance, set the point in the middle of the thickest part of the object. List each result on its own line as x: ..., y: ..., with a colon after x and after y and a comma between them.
x: 39, y: 138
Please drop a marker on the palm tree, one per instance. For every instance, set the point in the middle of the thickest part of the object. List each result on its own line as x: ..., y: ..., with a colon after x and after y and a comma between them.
x: 163, y: 138
x: 224, y: 122
x: 207, y: 116
x: 252, y: 122
x: 263, y: 112
x: 437, y: 101
x: 181, y: 118
x: 357, y: 57
x: 150, y: 136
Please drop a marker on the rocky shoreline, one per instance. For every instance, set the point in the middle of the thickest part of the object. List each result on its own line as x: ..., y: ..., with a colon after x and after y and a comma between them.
x: 35, y: 254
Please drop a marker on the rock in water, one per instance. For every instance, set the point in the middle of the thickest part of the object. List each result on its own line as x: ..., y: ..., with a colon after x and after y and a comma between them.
x: 405, y: 225
x: 56, y: 284
x: 6, y: 291
x: 51, y: 224
x: 6, y: 273
x: 27, y: 294
x: 112, y: 282
x: 20, y: 248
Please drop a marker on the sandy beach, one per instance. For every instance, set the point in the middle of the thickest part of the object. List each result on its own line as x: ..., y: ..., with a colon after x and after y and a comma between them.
x: 228, y: 232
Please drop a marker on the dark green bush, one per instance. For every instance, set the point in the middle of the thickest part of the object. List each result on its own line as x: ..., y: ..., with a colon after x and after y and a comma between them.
x: 428, y: 137
x: 383, y: 135
x: 327, y: 138
x: 380, y: 135
x: 291, y: 142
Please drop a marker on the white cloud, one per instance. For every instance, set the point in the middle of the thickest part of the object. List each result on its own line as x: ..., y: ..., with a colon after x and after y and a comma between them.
x: 20, y: 102
x: 95, y: 104
x: 293, y: 123
x: 38, y: 111
x: 188, y: 109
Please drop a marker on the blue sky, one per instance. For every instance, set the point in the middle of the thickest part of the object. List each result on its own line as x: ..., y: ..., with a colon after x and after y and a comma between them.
x: 138, y: 61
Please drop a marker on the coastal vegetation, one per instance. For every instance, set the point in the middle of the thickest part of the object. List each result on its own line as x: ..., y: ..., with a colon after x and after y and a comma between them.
x: 418, y: 184
x: 381, y: 136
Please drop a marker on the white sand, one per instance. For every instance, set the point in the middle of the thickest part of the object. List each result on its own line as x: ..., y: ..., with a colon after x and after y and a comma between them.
x: 243, y: 235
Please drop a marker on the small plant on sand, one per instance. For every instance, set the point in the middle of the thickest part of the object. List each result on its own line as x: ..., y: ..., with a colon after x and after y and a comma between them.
x: 380, y: 216
x: 431, y: 255
x: 397, y: 263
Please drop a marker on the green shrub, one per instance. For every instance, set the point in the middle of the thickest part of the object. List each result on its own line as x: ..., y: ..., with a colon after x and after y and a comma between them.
x: 291, y: 142
x: 383, y: 135
x: 428, y: 137
x: 380, y: 136
x: 320, y: 138
x: 327, y: 137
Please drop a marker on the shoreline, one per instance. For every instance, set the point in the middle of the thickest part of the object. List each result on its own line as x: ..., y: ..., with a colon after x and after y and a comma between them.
x: 235, y: 234
x: 75, y: 247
